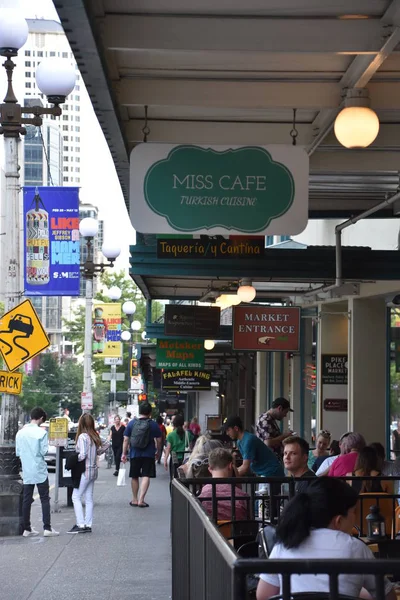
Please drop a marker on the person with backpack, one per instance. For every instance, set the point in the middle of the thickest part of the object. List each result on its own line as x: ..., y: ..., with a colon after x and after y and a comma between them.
x: 141, y: 435
x: 179, y: 442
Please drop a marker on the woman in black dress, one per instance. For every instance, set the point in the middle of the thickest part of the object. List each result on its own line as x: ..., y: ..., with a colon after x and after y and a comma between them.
x: 117, y: 439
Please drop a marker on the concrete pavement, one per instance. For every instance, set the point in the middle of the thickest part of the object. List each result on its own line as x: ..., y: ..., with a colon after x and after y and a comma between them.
x: 128, y: 554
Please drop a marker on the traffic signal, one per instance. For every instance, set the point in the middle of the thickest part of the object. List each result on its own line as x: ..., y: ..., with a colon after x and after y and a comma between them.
x: 142, y: 397
x: 134, y: 367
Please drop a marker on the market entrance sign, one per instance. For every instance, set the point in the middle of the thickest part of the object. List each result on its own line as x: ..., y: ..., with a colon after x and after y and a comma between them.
x: 180, y: 354
x: 266, y: 328
x: 219, y: 189
x: 186, y: 379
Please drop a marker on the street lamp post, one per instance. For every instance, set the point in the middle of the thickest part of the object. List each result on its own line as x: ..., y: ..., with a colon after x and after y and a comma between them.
x: 88, y: 229
x: 55, y: 79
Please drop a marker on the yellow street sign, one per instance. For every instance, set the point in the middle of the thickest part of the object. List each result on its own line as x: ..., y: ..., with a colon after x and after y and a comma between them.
x: 10, y: 383
x: 21, y: 335
x: 58, y: 431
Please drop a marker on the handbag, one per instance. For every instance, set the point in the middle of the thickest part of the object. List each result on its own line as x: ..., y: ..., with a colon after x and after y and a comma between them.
x: 121, y: 480
x: 188, y: 449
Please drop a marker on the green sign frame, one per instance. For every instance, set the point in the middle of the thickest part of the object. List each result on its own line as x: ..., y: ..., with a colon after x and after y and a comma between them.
x: 180, y: 353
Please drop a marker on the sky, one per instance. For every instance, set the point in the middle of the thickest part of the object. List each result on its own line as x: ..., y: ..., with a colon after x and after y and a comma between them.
x: 99, y: 181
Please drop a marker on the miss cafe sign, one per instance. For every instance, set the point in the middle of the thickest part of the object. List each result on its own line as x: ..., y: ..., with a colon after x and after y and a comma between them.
x: 266, y: 328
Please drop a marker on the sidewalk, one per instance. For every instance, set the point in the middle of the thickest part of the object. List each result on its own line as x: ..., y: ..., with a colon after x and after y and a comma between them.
x: 128, y: 554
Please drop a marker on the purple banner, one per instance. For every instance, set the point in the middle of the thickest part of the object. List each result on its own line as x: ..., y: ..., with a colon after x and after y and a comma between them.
x: 51, y: 241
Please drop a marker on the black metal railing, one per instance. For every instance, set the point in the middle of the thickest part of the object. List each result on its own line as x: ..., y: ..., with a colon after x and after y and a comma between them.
x: 206, y: 566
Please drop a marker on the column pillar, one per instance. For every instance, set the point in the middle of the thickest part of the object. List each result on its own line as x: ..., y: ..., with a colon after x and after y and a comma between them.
x: 261, y: 383
x: 367, y: 368
x: 277, y: 376
x: 333, y: 330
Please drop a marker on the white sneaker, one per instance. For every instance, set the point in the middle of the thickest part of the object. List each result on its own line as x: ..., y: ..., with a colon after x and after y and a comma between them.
x: 30, y: 533
x: 50, y: 533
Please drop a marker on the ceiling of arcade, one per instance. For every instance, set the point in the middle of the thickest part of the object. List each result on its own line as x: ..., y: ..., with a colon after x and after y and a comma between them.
x: 231, y: 72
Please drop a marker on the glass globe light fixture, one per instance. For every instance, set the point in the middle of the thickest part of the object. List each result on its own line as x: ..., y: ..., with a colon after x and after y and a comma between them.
x: 144, y: 335
x: 56, y: 79
x: 88, y: 227
x: 125, y: 336
x: 246, y: 292
x: 209, y: 344
x: 114, y: 293
x: 111, y: 251
x: 136, y: 326
x: 129, y: 307
x: 13, y: 31
x: 357, y: 125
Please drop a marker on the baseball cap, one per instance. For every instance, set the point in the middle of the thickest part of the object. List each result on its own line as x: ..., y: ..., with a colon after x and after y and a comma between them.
x: 283, y: 403
x: 233, y: 421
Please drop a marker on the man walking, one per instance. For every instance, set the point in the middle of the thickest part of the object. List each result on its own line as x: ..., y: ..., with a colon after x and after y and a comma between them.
x: 267, y: 428
x: 141, y: 435
x: 31, y: 445
x: 295, y: 457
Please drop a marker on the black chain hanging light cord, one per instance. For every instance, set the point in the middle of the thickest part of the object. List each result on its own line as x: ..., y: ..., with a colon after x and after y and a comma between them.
x: 293, y: 132
x: 146, y: 128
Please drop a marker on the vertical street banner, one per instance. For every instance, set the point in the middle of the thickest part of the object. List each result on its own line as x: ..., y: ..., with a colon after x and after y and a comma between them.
x: 106, y: 331
x: 51, y: 241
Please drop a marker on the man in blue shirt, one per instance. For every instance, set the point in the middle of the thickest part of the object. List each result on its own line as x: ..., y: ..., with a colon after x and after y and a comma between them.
x: 142, y: 458
x: 256, y: 455
x: 31, y: 445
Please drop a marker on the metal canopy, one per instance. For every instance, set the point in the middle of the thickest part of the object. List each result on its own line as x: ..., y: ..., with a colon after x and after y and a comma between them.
x: 280, y: 273
x: 220, y: 72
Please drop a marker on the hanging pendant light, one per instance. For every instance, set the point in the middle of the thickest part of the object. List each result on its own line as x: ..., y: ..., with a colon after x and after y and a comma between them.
x: 246, y: 292
x: 357, y: 125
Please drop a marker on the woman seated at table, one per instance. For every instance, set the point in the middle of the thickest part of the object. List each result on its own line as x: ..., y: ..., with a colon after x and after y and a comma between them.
x: 197, y: 465
x: 318, y: 524
x: 367, y: 465
x: 321, y: 448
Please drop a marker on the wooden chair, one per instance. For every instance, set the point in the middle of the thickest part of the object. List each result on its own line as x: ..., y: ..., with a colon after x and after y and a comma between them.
x: 385, y: 508
x: 239, y: 532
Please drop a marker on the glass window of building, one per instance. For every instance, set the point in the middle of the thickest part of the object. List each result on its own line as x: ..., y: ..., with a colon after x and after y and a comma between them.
x: 77, y: 128
x: 28, y: 84
x: 27, y: 74
x: 52, y: 53
x: 65, y: 117
x: 65, y: 54
x: 27, y: 63
x: 27, y: 52
x: 65, y: 127
x: 40, y: 53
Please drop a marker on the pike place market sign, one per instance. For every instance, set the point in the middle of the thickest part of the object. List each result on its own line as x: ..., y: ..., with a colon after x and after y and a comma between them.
x: 219, y: 190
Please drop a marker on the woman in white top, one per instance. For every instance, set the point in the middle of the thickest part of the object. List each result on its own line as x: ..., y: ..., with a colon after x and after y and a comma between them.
x: 317, y: 524
x: 88, y: 447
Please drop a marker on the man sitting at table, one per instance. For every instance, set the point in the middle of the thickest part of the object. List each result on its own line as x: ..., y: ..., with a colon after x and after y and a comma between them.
x: 295, y: 457
x: 220, y: 464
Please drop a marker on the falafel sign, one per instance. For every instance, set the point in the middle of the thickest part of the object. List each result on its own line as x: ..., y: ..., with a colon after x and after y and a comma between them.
x: 266, y: 328
x: 219, y: 190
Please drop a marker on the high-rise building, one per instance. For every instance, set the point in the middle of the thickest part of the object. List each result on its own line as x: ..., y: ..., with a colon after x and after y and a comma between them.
x: 47, y: 40
x: 51, y: 154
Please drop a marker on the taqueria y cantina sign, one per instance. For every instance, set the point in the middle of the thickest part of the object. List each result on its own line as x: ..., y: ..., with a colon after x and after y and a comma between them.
x: 266, y: 328
x: 186, y: 380
x: 238, y: 246
x: 180, y: 354
x: 219, y: 189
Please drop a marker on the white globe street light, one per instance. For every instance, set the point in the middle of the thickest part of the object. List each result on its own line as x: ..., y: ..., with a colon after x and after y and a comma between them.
x: 56, y: 78
x: 13, y: 31
x: 125, y: 336
x: 136, y: 326
x: 209, y: 344
x: 88, y: 227
x: 129, y: 307
x: 114, y: 293
x: 111, y: 251
x: 144, y: 335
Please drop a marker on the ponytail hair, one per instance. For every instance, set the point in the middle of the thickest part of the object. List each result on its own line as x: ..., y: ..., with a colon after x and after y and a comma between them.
x: 315, y: 508
x: 178, y: 425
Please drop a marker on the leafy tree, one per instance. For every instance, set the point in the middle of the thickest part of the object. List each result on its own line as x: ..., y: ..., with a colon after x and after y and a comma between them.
x: 36, y: 393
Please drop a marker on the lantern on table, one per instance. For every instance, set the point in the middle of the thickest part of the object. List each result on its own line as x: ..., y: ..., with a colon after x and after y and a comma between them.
x: 376, y: 525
